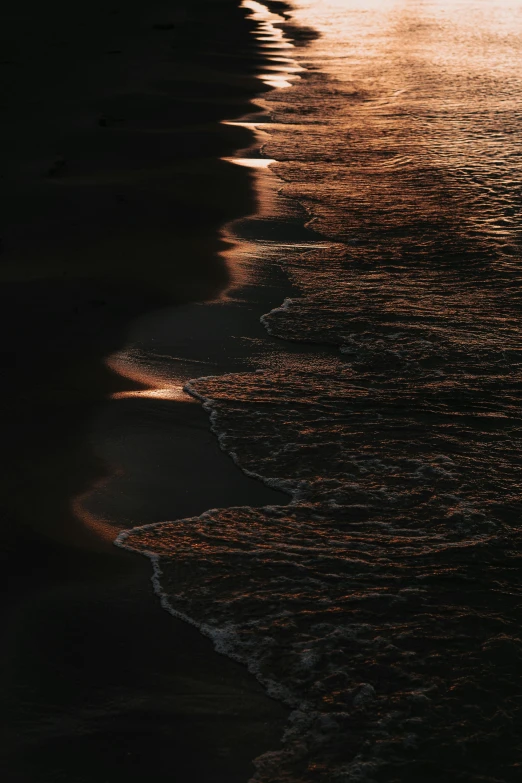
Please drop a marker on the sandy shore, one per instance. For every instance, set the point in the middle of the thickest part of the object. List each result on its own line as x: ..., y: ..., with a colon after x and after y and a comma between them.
x: 115, y: 194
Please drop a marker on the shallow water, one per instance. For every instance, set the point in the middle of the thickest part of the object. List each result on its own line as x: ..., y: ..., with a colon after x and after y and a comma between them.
x: 383, y: 603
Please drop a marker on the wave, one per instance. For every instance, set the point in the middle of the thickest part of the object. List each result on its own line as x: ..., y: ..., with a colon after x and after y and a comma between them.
x: 382, y: 603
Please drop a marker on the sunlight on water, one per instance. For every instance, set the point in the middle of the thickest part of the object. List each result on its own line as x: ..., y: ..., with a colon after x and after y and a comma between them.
x: 383, y: 603
x: 272, y: 39
x: 251, y: 163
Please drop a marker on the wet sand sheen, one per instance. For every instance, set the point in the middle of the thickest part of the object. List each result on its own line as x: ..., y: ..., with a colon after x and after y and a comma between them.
x: 383, y: 602
x: 109, y: 161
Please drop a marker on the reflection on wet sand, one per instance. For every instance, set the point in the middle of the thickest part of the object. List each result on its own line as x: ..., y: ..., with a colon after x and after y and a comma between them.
x: 383, y: 603
x: 157, y: 377
x: 282, y: 71
x: 251, y: 163
x: 106, y: 220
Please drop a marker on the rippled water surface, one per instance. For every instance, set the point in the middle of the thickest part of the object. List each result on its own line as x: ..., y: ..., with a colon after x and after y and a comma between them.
x: 383, y: 604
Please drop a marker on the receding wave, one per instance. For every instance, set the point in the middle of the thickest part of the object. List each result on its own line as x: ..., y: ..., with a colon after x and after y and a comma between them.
x: 382, y: 604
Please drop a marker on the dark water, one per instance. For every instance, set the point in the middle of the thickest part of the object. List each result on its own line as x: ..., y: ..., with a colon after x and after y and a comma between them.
x: 383, y: 604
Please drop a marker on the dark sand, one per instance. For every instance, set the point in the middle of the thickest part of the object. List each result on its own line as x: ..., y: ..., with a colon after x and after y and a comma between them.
x: 114, y: 194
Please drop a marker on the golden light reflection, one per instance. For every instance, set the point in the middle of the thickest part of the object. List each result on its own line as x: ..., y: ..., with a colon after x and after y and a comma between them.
x: 251, y: 163
x: 253, y: 126
x: 156, y: 376
x: 168, y: 393
x: 104, y: 532
x: 278, y: 82
x: 272, y: 39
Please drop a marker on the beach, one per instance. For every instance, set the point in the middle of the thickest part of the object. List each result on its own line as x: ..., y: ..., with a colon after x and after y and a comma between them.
x: 380, y: 602
x: 115, y: 194
x: 262, y: 386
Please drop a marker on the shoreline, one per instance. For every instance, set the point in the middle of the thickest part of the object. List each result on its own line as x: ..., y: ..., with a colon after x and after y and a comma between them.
x: 106, y: 694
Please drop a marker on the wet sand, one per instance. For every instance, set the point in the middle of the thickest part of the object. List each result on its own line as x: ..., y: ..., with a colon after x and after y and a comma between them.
x: 115, y: 194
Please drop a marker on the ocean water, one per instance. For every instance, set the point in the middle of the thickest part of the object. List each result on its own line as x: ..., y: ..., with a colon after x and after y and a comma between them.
x: 383, y: 602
